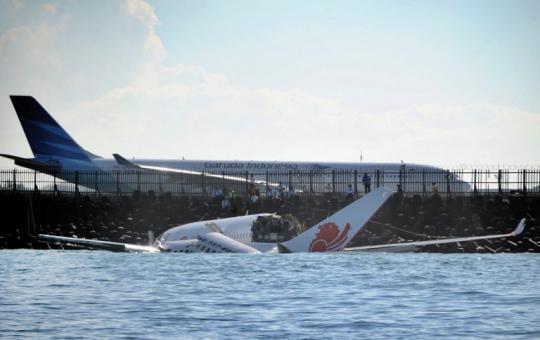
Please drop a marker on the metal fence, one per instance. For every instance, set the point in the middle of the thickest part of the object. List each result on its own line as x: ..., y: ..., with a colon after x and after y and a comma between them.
x: 303, y: 183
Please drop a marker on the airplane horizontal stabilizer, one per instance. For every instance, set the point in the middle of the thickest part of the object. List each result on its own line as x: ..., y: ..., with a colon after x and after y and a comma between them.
x: 122, y: 161
x: 33, y: 164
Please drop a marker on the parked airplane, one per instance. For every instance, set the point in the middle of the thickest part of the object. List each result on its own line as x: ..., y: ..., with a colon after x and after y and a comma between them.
x: 55, y: 151
x: 236, y: 234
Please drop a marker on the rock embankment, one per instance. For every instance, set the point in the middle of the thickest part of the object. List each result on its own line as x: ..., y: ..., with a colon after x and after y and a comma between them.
x: 129, y: 218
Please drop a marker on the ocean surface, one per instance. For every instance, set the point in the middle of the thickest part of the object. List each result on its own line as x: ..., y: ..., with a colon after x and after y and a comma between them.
x: 97, y: 294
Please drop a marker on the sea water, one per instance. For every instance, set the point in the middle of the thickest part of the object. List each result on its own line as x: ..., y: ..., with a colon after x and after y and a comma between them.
x: 98, y: 294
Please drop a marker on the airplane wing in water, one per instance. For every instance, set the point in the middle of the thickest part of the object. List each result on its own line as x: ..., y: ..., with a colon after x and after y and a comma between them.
x: 97, y: 244
x: 208, y: 243
x: 413, y: 246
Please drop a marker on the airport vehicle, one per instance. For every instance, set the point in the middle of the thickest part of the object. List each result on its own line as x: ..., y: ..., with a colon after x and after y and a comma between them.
x: 56, y: 152
x: 236, y: 234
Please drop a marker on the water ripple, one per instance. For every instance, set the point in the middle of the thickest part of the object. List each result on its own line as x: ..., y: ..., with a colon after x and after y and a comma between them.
x: 83, y: 294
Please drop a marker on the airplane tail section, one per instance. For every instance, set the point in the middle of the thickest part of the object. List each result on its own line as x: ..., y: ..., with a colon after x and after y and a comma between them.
x: 47, y: 139
x: 334, y: 232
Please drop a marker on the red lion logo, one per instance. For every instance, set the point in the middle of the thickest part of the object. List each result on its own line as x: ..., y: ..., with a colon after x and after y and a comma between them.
x: 329, y: 238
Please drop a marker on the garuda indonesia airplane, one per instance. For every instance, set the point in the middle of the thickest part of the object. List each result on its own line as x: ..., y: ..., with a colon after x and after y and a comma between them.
x: 237, y: 234
x: 56, y: 152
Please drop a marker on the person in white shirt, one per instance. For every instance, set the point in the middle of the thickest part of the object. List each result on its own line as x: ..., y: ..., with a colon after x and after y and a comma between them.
x: 225, y: 203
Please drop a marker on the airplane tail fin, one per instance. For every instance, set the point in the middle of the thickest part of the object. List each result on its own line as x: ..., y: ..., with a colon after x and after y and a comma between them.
x: 47, y: 139
x: 334, y: 232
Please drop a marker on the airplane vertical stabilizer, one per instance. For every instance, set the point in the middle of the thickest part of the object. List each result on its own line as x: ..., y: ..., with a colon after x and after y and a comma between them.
x: 47, y: 139
x: 334, y: 232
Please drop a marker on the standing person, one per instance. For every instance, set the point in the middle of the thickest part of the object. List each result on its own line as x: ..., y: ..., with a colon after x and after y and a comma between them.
x: 281, y: 191
x: 366, y: 180
x: 292, y: 192
x: 269, y: 193
x: 350, y: 193
x: 225, y: 204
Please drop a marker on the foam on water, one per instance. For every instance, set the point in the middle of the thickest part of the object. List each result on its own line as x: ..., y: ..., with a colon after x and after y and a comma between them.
x: 62, y: 294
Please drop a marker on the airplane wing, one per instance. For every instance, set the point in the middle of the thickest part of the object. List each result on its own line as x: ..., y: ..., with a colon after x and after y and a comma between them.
x: 213, y: 242
x: 208, y: 243
x: 97, y: 244
x: 413, y: 246
x: 216, y: 242
x: 211, y: 179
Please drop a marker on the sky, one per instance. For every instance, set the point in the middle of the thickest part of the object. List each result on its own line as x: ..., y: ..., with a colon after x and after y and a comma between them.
x: 449, y: 83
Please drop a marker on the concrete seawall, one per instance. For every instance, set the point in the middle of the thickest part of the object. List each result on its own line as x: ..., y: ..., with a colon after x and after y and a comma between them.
x: 129, y: 218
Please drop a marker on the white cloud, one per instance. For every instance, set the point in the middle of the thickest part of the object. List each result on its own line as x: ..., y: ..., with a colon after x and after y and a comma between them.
x: 15, y: 4
x: 143, y: 12
x: 23, y: 45
x: 184, y: 109
x: 49, y: 8
x: 193, y: 112
x: 172, y: 110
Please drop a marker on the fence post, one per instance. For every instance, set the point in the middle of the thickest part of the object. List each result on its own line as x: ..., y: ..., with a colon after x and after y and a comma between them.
x: 333, y: 181
x: 14, y: 180
x: 266, y: 176
x: 55, y: 187
x: 448, y: 181
x: 499, y: 186
x: 378, y: 177
x: 182, y: 183
x: 356, y: 182
x: 35, y: 181
x: 311, y: 182
x: 423, y: 181
x: 203, y: 189
x: 223, y: 183
x: 400, y: 177
x: 524, y: 182
x: 475, y: 190
x: 117, y: 182
x: 139, y: 181
x: 96, y: 188
x: 246, y: 194
x: 76, y: 182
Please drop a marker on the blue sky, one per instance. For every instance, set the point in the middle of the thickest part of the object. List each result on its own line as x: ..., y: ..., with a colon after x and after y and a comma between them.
x: 437, y: 82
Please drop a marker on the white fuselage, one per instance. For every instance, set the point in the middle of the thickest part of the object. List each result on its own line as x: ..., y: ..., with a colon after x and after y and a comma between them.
x: 201, y: 236
x: 418, y: 177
